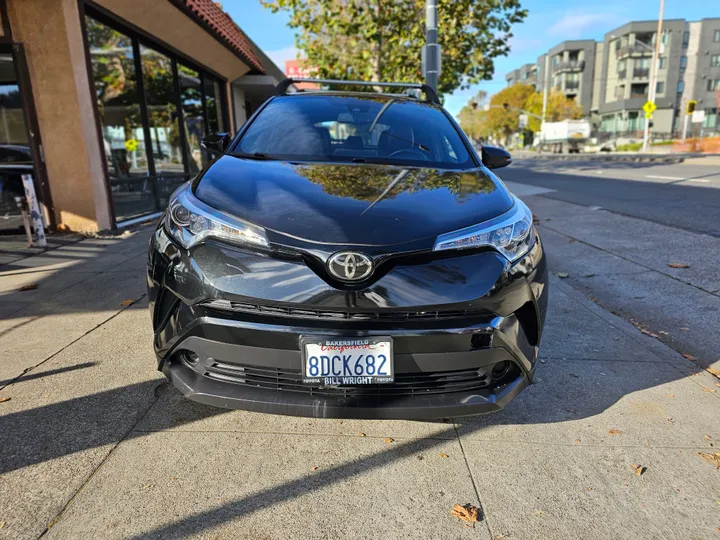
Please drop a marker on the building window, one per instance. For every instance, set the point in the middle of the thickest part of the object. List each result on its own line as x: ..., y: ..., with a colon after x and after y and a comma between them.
x: 683, y: 63
x: 715, y: 60
x: 716, y: 36
x: 686, y: 39
x: 662, y: 62
x: 153, y: 112
x: 711, y: 119
x: 680, y: 87
x: 713, y: 84
x: 660, y: 87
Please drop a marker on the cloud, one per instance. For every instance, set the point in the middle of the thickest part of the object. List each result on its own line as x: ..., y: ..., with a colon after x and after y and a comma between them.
x: 279, y: 56
x: 579, y: 25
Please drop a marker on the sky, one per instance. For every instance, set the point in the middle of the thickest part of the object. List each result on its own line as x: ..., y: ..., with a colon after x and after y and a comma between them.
x: 549, y: 22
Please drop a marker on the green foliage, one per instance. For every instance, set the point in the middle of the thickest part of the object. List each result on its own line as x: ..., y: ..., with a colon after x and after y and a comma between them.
x: 669, y: 142
x: 504, y: 122
x: 559, y: 108
x: 501, y: 122
x: 631, y: 147
x: 382, y: 39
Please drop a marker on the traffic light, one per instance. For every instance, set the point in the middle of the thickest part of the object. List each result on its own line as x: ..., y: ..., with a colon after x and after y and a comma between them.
x: 691, y: 106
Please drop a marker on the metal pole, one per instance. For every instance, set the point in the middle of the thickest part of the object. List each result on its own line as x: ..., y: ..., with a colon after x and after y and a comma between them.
x: 545, y: 89
x: 432, y: 49
x: 687, y: 117
x: 653, y: 74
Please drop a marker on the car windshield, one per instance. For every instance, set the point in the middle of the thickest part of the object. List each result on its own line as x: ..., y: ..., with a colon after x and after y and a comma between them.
x: 355, y: 129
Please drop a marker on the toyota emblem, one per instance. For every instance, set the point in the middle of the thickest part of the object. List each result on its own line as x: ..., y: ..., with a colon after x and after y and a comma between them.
x: 350, y: 266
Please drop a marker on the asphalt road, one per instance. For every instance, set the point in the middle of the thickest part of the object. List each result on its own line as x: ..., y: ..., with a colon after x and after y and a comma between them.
x: 683, y: 195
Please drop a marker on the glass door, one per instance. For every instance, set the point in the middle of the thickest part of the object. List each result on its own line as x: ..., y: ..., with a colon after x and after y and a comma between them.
x: 15, y: 154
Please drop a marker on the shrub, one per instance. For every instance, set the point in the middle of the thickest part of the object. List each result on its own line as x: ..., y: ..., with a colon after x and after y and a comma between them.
x: 632, y: 147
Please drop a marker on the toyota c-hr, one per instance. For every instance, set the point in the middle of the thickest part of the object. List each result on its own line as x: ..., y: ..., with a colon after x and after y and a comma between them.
x: 348, y: 254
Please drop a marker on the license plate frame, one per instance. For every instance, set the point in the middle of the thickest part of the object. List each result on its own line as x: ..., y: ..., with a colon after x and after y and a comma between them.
x: 343, y: 346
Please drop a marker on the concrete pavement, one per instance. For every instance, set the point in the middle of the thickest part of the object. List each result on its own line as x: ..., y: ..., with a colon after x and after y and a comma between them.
x: 94, y: 444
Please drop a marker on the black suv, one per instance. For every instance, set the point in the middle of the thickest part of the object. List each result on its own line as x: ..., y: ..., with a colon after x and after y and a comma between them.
x: 348, y: 255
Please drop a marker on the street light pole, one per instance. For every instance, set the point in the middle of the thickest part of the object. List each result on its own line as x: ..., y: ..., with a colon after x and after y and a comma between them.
x: 431, y: 51
x: 653, y: 74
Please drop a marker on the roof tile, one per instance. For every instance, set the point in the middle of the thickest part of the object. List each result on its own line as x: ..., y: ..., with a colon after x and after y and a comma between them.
x: 224, y: 28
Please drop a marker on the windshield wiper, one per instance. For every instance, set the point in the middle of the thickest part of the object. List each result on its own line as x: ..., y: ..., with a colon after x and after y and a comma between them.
x: 255, y: 155
x: 420, y: 146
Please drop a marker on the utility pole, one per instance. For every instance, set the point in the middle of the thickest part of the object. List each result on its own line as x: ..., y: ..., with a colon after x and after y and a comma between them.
x: 431, y: 51
x: 653, y: 74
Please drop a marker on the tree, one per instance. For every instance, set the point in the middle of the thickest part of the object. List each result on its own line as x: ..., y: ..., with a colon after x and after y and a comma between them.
x: 559, y: 108
x: 376, y: 40
x: 501, y: 120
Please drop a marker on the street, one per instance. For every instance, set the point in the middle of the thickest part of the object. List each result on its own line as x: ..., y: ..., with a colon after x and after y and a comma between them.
x: 95, y: 443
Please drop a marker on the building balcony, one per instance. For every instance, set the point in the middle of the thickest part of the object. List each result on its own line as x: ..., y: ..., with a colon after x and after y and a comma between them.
x: 569, y: 65
x: 637, y: 49
x: 641, y: 73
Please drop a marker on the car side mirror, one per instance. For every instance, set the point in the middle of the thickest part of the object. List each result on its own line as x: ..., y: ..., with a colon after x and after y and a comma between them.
x: 495, y: 158
x: 216, y: 143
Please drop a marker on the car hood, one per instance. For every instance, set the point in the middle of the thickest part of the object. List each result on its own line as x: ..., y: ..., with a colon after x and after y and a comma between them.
x: 352, y: 204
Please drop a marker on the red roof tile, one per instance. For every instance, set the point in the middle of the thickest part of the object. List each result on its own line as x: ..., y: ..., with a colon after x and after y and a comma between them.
x: 224, y: 28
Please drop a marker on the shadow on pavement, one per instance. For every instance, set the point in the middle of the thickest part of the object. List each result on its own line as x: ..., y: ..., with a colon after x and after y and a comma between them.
x: 49, y: 373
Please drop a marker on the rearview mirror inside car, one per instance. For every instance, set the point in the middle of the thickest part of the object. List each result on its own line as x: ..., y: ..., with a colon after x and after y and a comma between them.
x: 495, y: 158
x: 216, y: 143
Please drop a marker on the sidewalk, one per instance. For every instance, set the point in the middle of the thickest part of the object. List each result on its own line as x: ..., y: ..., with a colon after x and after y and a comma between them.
x: 94, y: 444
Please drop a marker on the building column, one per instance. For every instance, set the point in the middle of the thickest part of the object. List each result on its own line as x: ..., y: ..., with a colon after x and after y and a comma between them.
x: 51, y: 32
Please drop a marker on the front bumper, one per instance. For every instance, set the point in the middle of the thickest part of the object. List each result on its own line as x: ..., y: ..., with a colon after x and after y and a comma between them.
x: 456, y: 367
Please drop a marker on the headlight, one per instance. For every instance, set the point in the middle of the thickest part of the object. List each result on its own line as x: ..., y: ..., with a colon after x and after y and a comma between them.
x: 190, y: 221
x: 511, y: 234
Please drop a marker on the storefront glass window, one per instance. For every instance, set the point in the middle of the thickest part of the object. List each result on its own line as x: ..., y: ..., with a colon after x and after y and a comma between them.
x: 212, y: 98
x: 154, y: 110
x: 191, y: 100
x: 113, y: 67
x: 159, y: 86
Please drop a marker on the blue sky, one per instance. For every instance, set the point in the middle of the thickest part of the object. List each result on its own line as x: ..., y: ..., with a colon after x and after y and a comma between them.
x: 549, y: 22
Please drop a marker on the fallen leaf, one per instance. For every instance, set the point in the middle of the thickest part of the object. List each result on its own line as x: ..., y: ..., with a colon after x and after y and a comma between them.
x: 678, y: 265
x: 710, y: 391
x: 664, y: 333
x: 539, y: 512
x: 684, y: 328
x: 501, y: 536
x: 127, y: 302
x: 711, y: 458
x: 2, y: 524
x: 639, y: 469
x: 466, y: 512
x: 588, y: 489
x: 562, y: 275
x: 577, y: 441
x: 713, y: 371
x: 648, y: 333
x: 28, y: 287
x: 589, y: 275
x: 314, y: 468
x: 443, y: 455
x: 614, y: 432
x: 671, y: 395
x: 388, y: 440
x: 363, y: 434
x: 420, y: 458
x: 4, y: 399
x: 689, y: 357
x: 708, y: 437
x: 717, y: 384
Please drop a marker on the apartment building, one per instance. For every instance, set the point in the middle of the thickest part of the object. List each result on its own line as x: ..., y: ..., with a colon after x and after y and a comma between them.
x: 611, y: 78
x: 526, y: 74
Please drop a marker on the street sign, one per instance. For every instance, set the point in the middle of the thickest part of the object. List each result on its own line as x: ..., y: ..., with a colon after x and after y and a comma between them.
x: 648, y: 115
x: 522, y: 121
x: 698, y: 116
x: 649, y: 108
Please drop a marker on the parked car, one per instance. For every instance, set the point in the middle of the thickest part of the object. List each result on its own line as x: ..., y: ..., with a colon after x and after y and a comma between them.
x: 348, y: 255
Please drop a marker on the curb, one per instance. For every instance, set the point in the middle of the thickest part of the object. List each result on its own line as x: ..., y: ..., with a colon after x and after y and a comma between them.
x: 630, y: 158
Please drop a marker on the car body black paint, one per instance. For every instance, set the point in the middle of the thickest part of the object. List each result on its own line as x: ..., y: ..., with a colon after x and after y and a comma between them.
x: 454, y: 316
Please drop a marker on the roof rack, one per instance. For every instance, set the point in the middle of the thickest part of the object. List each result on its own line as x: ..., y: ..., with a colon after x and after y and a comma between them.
x: 430, y: 94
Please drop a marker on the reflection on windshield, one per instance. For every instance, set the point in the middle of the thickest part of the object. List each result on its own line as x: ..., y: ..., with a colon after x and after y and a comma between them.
x: 371, y: 182
x: 351, y: 128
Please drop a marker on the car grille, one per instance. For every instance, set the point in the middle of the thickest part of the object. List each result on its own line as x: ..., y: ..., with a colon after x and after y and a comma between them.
x: 345, y: 316
x: 406, y: 384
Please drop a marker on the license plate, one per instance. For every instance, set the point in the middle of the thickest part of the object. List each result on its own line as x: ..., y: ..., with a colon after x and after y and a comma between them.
x: 351, y: 361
